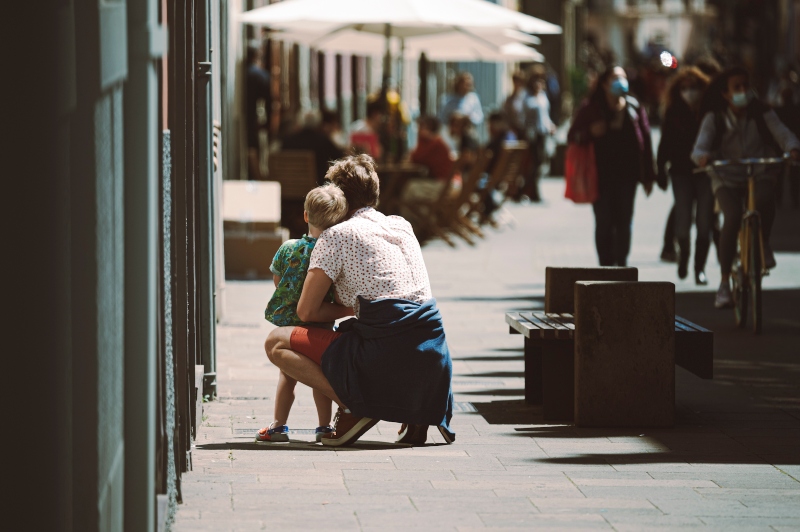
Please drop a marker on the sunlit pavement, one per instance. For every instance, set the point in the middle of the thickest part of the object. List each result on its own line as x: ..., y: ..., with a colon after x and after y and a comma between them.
x: 732, y: 460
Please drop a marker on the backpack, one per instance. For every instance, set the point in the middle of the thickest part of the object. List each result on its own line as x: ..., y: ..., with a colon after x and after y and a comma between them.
x: 755, y: 111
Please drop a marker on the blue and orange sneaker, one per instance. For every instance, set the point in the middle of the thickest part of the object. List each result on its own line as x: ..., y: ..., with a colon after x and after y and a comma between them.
x: 322, y: 431
x: 273, y: 434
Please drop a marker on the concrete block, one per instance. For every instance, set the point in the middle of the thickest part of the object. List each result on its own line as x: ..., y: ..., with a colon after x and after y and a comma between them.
x: 559, y: 286
x: 624, y: 354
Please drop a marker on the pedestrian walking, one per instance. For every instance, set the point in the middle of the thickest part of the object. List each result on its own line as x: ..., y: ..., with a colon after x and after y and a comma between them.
x: 256, y: 94
x: 617, y: 124
x: 710, y: 67
x: 538, y: 127
x: 514, y: 105
x: 692, y: 191
x: 464, y: 100
x: 739, y: 125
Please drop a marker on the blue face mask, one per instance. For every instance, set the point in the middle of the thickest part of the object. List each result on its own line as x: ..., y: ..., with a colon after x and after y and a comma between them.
x: 740, y: 99
x: 619, y: 87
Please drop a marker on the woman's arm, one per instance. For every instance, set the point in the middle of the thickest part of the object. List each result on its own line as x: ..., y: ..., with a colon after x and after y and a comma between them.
x: 705, y: 137
x: 312, y: 306
x: 648, y: 172
x: 587, y: 124
x: 665, y: 146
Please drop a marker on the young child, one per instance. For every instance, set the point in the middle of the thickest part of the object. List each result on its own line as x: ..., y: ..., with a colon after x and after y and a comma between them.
x: 324, y: 206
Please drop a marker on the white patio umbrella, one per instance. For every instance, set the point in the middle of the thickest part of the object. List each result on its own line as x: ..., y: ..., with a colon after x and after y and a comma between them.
x: 483, y: 45
x: 453, y: 29
x: 407, y: 18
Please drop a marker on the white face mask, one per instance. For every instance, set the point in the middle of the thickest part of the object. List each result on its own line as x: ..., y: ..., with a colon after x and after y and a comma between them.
x: 690, y: 96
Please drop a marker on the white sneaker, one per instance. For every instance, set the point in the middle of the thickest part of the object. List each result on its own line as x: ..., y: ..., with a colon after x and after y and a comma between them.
x: 724, y: 296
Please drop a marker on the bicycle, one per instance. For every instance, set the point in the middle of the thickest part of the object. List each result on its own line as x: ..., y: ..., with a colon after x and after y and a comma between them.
x: 749, y: 265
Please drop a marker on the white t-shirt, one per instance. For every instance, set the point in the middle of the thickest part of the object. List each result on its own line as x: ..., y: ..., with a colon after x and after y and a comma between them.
x: 373, y: 256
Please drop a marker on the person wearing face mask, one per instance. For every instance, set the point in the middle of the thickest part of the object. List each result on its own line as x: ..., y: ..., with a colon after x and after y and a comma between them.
x: 692, y: 191
x: 618, y: 126
x: 738, y: 125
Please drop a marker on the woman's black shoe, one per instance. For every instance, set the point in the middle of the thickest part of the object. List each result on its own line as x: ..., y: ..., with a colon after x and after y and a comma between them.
x: 683, y: 271
x: 700, y: 278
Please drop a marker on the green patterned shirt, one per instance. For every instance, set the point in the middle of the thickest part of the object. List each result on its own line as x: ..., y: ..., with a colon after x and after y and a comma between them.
x: 291, y: 265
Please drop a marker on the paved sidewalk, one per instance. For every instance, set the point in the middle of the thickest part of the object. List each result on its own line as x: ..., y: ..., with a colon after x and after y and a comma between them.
x: 732, y: 461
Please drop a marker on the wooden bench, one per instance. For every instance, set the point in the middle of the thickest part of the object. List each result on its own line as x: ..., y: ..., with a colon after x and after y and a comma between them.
x: 550, y: 362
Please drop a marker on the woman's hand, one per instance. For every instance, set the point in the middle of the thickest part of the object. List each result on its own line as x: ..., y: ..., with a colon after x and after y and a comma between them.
x: 598, y: 128
x: 312, y: 306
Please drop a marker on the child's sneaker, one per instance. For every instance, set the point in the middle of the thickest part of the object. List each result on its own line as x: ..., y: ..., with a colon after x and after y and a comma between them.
x: 322, y: 431
x: 275, y: 434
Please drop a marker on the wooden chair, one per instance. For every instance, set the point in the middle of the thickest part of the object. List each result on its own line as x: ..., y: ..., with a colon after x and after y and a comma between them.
x: 455, y: 216
x: 295, y: 170
x: 503, y: 176
x: 425, y: 214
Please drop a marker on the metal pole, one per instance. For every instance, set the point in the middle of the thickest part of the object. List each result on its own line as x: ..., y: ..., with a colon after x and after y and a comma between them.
x: 205, y: 177
x: 142, y: 162
x: 387, y: 57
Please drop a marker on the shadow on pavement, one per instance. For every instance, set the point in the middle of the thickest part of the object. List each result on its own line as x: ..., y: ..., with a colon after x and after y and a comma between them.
x: 509, y: 412
x: 301, y: 446
x: 491, y: 359
x: 748, y: 414
x: 496, y: 374
x: 785, y: 236
x: 536, y: 301
x: 768, y: 365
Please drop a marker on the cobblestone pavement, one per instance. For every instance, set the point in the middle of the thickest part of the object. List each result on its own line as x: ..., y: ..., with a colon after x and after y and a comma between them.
x: 732, y: 461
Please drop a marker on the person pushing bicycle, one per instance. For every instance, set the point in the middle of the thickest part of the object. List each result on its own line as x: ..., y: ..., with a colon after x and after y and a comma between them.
x: 738, y: 125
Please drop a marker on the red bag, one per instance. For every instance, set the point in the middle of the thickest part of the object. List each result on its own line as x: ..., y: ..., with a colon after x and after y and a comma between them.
x: 580, y: 173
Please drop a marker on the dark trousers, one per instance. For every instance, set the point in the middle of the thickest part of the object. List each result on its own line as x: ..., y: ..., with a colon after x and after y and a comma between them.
x: 613, y: 215
x: 536, y: 154
x: 669, y: 231
x: 731, y: 200
x: 693, y: 195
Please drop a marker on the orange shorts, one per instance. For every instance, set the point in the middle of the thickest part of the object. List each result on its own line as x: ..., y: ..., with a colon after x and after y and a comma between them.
x: 312, y: 342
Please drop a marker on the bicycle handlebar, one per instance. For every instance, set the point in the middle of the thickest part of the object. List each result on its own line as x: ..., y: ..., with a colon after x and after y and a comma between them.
x: 762, y: 161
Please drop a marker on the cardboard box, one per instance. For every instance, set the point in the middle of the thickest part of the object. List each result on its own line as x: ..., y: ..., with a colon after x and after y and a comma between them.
x: 251, y: 206
x: 249, y: 253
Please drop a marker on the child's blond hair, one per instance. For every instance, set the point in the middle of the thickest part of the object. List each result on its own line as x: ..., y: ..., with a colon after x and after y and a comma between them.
x: 326, y: 206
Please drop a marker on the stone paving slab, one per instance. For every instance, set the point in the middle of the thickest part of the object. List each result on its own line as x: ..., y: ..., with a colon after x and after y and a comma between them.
x: 732, y: 460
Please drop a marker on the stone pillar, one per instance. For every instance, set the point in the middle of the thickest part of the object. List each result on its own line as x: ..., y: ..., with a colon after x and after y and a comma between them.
x: 624, y: 354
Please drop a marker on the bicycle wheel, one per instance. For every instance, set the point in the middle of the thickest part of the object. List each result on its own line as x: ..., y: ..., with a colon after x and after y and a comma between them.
x: 740, y: 293
x: 754, y: 278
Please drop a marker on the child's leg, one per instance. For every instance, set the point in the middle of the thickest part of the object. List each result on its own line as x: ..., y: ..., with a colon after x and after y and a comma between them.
x: 324, y: 404
x: 284, y: 397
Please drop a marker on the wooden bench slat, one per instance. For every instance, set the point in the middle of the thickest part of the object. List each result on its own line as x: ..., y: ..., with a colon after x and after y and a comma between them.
x: 566, y: 323
x: 522, y: 326
x: 567, y: 320
x: 554, y: 320
x: 545, y: 330
x: 551, y: 320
